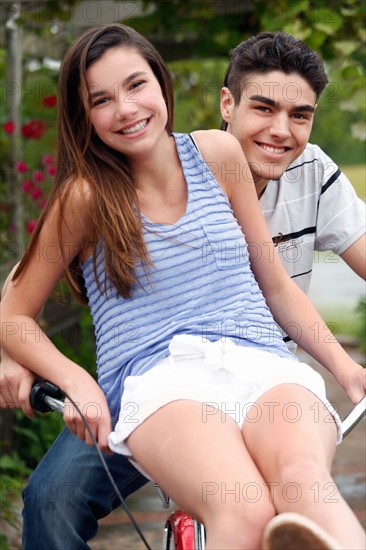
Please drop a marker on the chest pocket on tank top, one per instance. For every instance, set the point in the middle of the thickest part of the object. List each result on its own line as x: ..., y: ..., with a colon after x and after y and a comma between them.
x: 225, y: 243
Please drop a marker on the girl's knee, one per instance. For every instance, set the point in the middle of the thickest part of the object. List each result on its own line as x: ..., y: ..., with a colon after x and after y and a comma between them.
x: 241, y: 526
x: 303, y: 480
x: 300, y: 467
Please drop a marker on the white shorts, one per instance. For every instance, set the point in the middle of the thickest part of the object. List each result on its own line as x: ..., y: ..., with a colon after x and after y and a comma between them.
x: 222, y: 376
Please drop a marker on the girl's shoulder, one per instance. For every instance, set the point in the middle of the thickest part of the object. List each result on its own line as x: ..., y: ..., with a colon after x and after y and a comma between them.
x: 217, y: 145
x: 77, y: 198
x: 223, y: 154
x: 76, y: 205
x: 78, y: 191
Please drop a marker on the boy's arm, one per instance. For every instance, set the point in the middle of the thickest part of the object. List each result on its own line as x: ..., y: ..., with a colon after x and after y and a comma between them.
x: 15, y: 380
x: 355, y: 256
x: 15, y: 385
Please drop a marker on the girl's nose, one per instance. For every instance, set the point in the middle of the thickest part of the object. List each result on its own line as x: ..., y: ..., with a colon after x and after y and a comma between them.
x: 126, y: 106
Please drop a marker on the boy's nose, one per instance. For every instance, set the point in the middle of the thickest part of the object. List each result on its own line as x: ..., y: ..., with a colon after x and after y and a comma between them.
x: 280, y: 126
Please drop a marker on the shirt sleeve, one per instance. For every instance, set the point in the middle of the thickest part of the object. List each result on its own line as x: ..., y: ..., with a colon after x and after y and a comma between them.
x: 341, y: 214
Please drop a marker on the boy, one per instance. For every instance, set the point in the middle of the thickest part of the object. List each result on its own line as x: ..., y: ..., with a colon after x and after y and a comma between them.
x: 268, y: 101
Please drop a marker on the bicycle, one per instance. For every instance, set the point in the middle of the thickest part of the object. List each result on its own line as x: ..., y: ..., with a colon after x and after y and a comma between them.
x: 181, y: 531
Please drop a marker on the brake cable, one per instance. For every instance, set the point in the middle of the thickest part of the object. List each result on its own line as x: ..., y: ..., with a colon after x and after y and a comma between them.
x: 46, y: 397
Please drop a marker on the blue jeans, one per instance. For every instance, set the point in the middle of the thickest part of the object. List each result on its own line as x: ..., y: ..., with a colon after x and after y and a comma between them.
x: 69, y: 491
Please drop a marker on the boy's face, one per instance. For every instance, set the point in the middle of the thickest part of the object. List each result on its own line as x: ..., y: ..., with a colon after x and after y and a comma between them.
x: 272, y: 122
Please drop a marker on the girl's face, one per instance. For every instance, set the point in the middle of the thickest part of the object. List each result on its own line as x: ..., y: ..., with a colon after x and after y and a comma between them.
x: 127, y: 107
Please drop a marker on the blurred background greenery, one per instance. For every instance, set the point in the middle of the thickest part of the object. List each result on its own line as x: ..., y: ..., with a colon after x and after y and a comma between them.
x: 194, y: 37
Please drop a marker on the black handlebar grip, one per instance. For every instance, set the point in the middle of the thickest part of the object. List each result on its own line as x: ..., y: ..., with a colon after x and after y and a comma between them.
x: 40, y: 391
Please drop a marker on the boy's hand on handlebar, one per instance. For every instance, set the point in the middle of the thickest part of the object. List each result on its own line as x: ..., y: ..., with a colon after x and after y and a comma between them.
x: 93, y: 404
x: 15, y: 385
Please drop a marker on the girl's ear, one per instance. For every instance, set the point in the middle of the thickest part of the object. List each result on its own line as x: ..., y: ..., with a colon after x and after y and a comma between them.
x: 226, y: 104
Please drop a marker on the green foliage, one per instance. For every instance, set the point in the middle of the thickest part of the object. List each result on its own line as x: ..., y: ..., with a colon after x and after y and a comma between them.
x: 13, y: 472
x: 356, y: 173
x: 83, y: 353
x: 32, y: 437
x: 3, y: 542
x: 197, y: 86
x: 341, y: 143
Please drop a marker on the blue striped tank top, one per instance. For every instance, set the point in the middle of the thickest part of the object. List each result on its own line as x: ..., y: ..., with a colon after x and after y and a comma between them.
x: 200, y: 283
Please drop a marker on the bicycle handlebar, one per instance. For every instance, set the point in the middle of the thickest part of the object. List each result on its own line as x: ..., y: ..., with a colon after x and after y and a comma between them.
x: 46, y: 397
x: 354, y: 417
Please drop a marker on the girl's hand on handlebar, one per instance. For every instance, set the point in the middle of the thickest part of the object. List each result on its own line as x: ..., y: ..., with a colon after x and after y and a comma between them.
x: 354, y: 384
x: 93, y: 404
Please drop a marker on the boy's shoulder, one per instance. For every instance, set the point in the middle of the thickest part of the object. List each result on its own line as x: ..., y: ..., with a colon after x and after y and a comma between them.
x: 311, y: 153
x: 313, y: 168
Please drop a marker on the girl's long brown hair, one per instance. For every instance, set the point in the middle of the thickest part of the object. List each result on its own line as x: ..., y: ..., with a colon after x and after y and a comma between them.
x: 82, y: 155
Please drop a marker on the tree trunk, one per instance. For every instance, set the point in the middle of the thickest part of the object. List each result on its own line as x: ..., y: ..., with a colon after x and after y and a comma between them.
x: 16, y: 234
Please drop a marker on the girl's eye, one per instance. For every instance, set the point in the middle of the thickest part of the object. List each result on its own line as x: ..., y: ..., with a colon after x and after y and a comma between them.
x: 99, y: 101
x: 137, y: 84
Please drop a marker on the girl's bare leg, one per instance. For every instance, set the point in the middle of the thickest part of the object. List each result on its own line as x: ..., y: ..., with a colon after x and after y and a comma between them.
x: 201, y: 462
x: 293, y: 443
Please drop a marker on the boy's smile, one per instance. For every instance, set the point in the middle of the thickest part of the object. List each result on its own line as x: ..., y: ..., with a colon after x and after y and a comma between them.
x: 272, y: 122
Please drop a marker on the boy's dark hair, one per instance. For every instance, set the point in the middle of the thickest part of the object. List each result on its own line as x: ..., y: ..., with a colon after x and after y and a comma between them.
x: 273, y: 51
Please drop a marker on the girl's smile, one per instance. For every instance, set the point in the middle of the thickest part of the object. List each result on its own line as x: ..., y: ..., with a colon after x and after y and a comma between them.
x: 133, y: 129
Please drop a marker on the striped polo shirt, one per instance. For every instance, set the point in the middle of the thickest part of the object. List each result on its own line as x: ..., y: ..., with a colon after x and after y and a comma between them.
x: 312, y: 207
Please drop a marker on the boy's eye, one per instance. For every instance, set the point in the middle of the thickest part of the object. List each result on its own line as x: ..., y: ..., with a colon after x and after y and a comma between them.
x: 263, y: 109
x: 301, y: 116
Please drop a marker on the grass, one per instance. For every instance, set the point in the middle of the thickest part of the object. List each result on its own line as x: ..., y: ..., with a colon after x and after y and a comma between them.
x: 357, y: 175
x: 340, y: 323
x: 343, y: 321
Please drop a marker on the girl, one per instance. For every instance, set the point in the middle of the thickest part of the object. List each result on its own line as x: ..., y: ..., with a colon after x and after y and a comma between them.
x: 148, y: 227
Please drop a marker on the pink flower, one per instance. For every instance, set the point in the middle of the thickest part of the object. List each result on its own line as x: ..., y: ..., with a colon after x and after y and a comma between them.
x: 9, y: 127
x: 49, y: 101
x: 27, y: 186
x: 37, y: 193
x: 30, y: 226
x: 38, y: 176
x: 21, y: 167
x: 47, y: 159
x: 51, y: 170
